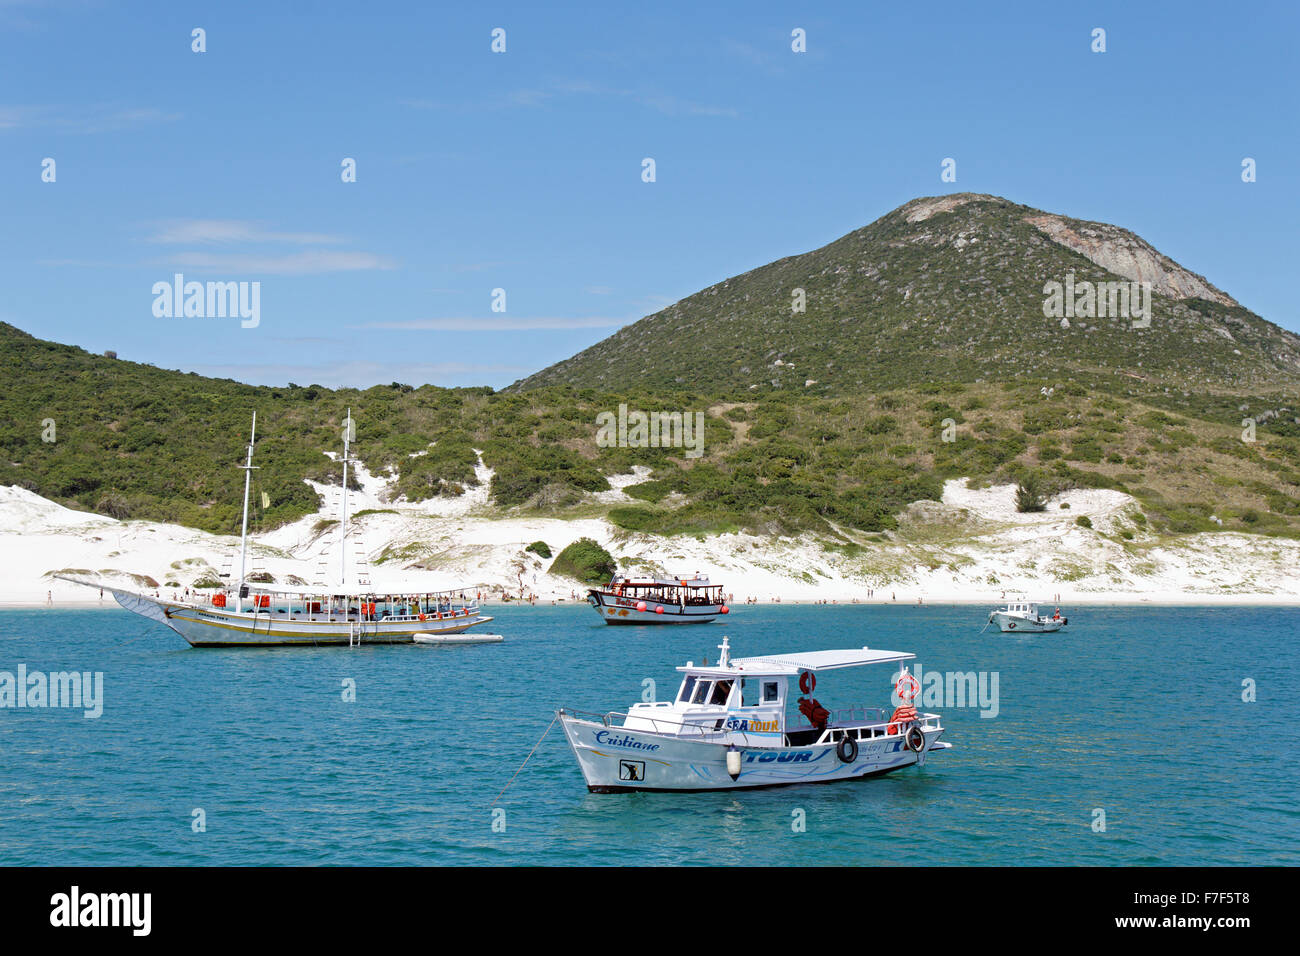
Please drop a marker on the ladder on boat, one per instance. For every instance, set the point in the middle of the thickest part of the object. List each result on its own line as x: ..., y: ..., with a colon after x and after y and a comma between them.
x: 256, y: 568
x: 330, y: 540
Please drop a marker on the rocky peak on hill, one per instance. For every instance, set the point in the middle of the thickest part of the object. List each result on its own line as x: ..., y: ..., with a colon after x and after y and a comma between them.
x: 952, y: 287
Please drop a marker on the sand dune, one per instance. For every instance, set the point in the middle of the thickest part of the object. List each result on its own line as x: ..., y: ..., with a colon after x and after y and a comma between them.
x: 971, y: 547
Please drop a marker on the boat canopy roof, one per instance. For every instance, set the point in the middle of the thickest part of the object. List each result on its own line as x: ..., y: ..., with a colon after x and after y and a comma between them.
x: 350, y: 589
x: 789, y: 664
x: 695, y: 581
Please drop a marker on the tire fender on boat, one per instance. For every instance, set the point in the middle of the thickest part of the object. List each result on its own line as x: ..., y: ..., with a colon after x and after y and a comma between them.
x: 916, y: 739
x: 847, y: 749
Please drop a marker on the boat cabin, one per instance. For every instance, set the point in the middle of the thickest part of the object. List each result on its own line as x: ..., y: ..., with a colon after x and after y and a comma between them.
x: 1023, y: 609
x: 320, y: 604
x: 695, y: 590
x: 749, y: 699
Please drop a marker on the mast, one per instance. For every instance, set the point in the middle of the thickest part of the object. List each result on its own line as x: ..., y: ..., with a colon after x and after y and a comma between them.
x: 349, y: 432
x: 243, y: 533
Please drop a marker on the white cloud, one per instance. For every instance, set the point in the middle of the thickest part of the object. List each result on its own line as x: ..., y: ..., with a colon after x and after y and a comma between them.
x: 95, y: 119
x: 182, y: 231
x: 297, y: 263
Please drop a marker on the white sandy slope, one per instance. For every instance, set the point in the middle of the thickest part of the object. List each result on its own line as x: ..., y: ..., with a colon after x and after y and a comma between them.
x: 971, y: 547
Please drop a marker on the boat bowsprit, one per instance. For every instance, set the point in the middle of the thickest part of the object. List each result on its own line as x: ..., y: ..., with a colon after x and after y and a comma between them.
x: 728, y: 729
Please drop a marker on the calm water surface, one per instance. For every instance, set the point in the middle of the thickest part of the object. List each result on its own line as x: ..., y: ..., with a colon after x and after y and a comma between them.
x: 1136, y: 711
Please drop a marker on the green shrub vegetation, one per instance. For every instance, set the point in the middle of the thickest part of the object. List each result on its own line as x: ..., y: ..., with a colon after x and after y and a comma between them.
x: 137, y: 442
x: 585, y: 561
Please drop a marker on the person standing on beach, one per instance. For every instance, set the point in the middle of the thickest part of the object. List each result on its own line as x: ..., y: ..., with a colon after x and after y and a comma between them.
x: 49, y: 599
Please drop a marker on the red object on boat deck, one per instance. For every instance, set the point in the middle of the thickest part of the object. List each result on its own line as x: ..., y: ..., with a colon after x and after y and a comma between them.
x: 817, y: 714
x: 902, y: 714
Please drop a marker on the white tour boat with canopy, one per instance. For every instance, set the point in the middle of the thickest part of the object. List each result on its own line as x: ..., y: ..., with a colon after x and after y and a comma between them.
x: 658, y: 600
x: 348, y: 610
x: 730, y: 727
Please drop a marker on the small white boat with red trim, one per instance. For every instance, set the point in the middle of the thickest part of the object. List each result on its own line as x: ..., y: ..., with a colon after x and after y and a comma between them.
x: 728, y: 729
x: 1020, y: 616
x: 659, y: 600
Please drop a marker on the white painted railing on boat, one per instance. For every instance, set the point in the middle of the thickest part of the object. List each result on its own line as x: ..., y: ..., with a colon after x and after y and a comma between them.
x: 833, y: 735
x: 695, y: 728
x: 715, y: 726
x: 843, y: 715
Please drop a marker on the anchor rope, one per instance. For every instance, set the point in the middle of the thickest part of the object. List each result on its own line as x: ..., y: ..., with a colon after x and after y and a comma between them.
x: 530, y: 753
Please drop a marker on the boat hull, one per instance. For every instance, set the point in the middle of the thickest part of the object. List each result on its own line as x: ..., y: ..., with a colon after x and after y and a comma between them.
x: 616, y: 760
x: 620, y: 610
x: 203, y: 626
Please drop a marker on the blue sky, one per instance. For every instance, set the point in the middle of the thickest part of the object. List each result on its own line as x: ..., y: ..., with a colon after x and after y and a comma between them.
x: 522, y: 170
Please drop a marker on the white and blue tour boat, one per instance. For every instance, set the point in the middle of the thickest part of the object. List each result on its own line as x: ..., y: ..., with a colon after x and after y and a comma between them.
x: 729, y: 728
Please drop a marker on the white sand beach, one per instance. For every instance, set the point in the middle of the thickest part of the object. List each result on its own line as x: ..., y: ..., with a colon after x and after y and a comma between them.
x: 972, y: 547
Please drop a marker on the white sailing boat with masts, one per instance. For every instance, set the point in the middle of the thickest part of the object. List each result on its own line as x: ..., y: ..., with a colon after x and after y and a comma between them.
x: 349, y: 611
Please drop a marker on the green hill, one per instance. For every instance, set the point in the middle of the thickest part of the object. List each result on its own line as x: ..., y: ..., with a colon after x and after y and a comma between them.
x: 947, y: 288
x: 930, y: 357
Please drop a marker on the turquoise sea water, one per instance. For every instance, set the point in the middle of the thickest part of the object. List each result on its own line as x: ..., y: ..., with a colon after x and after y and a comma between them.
x: 1135, y: 711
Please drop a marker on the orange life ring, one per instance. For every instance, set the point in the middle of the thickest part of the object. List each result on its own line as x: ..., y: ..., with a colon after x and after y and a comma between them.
x: 807, y: 681
x: 421, y: 615
x: 218, y: 600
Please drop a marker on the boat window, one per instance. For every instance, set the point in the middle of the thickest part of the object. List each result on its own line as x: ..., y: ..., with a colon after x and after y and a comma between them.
x: 771, y: 692
x: 702, y: 692
x: 688, y: 685
x: 721, y: 691
x: 747, y: 690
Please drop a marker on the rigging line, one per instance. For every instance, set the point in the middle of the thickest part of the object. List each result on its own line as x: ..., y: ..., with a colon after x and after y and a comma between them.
x: 530, y: 753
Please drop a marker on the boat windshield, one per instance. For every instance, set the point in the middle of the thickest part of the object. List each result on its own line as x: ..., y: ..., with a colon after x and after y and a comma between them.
x: 721, y: 692
x: 688, y: 686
